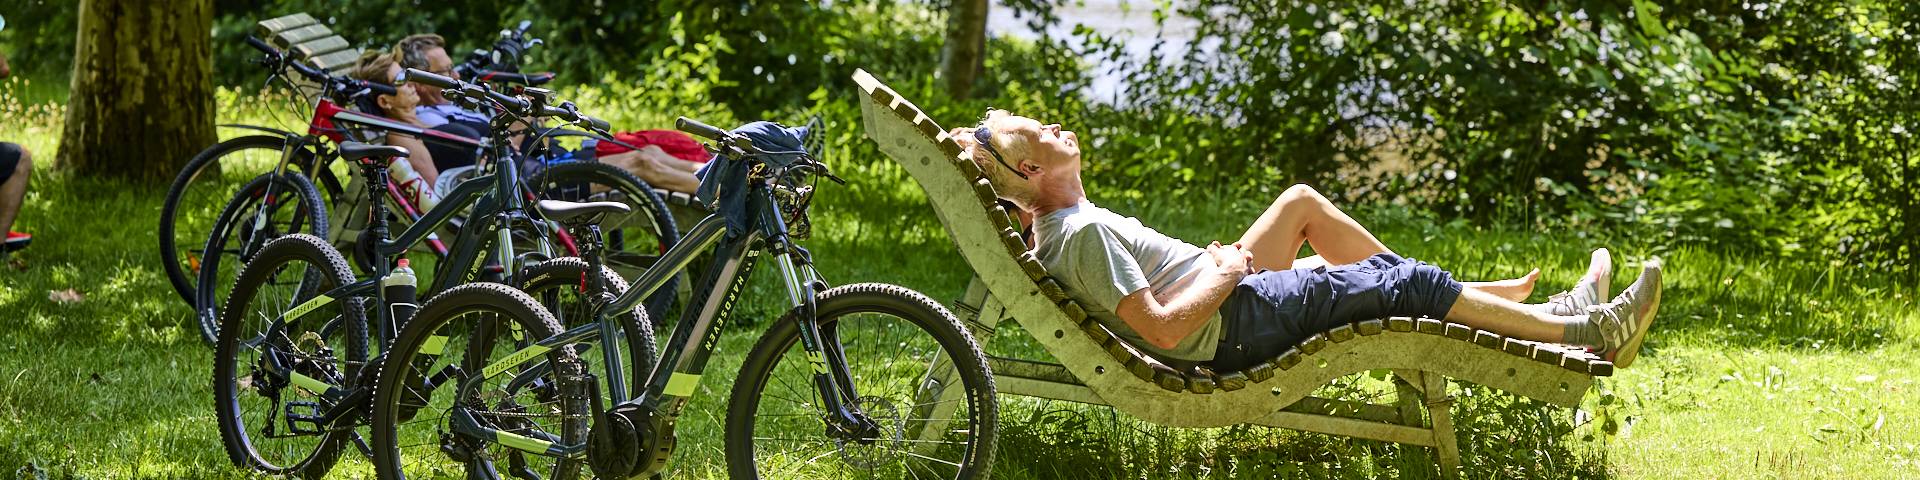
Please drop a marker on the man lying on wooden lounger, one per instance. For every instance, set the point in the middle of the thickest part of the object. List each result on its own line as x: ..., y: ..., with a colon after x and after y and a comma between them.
x: 1230, y: 306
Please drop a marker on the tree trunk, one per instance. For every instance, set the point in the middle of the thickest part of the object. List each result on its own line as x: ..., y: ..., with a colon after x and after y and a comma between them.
x: 966, y: 49
x: 142, y: 97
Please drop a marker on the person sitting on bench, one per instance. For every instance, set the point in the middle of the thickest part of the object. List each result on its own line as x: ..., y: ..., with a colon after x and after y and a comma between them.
x: 1230, y: 306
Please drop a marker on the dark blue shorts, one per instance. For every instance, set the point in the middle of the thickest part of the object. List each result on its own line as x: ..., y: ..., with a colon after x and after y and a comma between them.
x: 9, y: 160
x: 1271, y: 311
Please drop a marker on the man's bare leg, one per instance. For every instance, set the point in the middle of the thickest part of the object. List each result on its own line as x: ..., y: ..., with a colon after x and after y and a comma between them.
x: 1302, y: 216
x: 1488, y: 312
x: 651, y: 171
x: 13, y: 193
x: 1513, y: 290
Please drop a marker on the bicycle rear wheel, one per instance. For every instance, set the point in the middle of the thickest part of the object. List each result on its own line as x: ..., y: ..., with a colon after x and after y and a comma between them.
x: 635, y: 240
x: 459, y: 335
x: 919, y: 385
x: 199, y: 192
x: 270, y: 206
x: 556, y: 284
x: 256, y: 409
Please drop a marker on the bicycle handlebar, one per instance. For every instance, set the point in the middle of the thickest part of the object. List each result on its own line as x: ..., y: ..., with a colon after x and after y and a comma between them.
x: 531, y: 80
x: 262, y: 46
x: 692, y: 126
x: 337, y: 84
x: 516, y: 106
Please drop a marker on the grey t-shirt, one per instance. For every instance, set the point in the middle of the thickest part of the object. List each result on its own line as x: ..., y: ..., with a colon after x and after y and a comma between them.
x: 1100, y: 256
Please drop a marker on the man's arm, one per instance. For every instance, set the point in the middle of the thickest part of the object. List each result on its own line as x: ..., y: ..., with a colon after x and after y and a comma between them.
x: 1165, y: 322
x: 5, y: 71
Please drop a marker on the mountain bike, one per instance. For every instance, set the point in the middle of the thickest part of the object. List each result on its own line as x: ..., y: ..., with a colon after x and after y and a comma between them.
x: 284, y: 200
x: 484, y: 380
x: 299, y: 337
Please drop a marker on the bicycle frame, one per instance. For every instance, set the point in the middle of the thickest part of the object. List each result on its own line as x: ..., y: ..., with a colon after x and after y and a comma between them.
x: 669, y: 390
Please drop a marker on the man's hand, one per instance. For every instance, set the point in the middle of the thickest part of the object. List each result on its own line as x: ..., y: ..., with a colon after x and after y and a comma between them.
x: 962, y: 136
x: 1232, y: 258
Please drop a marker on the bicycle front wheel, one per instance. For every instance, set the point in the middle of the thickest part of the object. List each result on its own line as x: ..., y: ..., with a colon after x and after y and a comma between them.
x: 200, y: 190
x: 270, y: 206
x: 913, y: 380
x: 270, y: 422
x: 468, y: 334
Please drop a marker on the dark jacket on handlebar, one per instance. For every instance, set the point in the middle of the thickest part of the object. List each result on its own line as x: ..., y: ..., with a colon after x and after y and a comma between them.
x: 724, y: 180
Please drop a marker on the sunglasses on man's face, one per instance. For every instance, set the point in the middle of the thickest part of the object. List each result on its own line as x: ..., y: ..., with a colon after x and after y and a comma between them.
x: 984, y: 136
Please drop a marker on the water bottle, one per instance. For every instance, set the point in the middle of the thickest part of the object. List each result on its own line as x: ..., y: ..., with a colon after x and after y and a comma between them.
x: 400, y: 287
x: 411, y: 185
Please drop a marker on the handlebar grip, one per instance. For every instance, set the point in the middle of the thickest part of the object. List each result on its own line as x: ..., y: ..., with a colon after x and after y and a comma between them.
x: 375, y: 88
x: 692, y: 126
x: 419, y: 76
x: 596, y: 123
x: 262, y: 46
x: 515, y: 104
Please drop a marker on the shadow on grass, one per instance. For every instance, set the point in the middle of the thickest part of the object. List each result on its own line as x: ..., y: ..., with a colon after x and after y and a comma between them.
x: 1500, y: 436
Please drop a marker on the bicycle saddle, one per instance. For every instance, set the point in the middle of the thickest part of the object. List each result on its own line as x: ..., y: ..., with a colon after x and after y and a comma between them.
x: 356, y: 151
x: 560, y: 211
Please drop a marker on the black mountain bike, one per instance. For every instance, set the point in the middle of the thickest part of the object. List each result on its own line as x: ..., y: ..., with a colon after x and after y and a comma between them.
x: 484, y: 381
x: 299, y: 337
x: 285, y: 200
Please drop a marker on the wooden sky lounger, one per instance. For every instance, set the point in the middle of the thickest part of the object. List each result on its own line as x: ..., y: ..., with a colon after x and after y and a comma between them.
x: 1099, y: 368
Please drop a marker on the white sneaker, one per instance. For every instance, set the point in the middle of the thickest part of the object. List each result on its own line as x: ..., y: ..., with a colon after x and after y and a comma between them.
x: 1588, y: 291
x: 1623, y: 322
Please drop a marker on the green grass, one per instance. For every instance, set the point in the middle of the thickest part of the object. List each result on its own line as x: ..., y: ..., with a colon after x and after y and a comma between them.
x: 1757, y: 367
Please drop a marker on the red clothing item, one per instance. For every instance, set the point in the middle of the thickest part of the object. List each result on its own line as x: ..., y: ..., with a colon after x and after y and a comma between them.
x: 679, y: 145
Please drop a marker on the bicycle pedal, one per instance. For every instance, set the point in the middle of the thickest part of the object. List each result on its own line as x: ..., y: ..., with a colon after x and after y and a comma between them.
x: 313, y: 417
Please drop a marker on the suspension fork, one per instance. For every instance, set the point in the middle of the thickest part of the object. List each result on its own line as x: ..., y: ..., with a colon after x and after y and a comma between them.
x: 830, y: 375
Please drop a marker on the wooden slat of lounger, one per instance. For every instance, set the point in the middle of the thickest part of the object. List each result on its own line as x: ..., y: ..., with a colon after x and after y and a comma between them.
x: 1400, y: 324
x: 1370, y: 327
x: 322, y: 46
x: 287, y: 39
x: 1203, y: 381
x: 269, y: 27
x: 1459, y: 332
x: 1341, y: 333
x: 1010, y: 239
x: 1031, y: 266
x: 1517, y: 347
x: 1488, y: 339
x: 1285, y: 361
x: 1001, y: 220
x: 1313, y: 344
x: 1073, y: 311
x: 1232, y: 381
x: 336, y: 62
x: 1168, y: 379
x: 1052, y: 290
x: 1430, y: 326
x: 983, y: 191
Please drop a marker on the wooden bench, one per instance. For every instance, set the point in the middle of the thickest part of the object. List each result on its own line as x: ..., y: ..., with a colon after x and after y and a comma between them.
x: 1098, y: 368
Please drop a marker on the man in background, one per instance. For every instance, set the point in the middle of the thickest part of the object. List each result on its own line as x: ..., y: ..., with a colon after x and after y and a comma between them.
x: 16, y: 165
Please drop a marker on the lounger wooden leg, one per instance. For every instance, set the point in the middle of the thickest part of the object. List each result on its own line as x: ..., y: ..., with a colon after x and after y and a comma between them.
x: 1409, y: 397
x: 1439, y: 409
